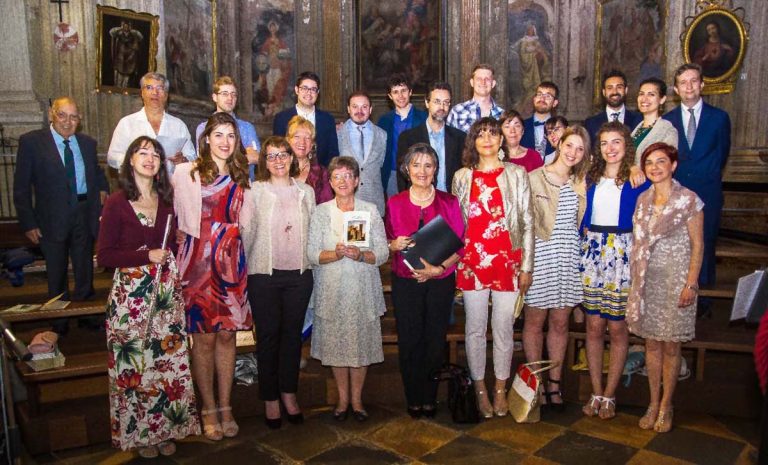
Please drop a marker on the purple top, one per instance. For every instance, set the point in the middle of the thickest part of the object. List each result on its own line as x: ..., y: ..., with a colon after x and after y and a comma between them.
x: 402, y: 219
x: 321, y: 183
x: 530, y: 161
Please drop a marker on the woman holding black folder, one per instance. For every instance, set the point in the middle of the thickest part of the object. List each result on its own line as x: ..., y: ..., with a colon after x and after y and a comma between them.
x: 422, y: 297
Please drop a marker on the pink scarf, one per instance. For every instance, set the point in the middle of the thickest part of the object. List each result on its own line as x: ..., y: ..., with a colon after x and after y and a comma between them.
x: 680, y: 207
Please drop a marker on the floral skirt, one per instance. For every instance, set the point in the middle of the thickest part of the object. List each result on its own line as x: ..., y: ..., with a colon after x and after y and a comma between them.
x: 151, y: 397
x: 605, y: 273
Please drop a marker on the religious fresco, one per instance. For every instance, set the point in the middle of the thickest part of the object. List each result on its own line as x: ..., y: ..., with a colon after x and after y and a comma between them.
x: 189, y: 46
x: 398, y: 37
x: 273, y: 53
x: 530, y: 51
x: 631, y: 39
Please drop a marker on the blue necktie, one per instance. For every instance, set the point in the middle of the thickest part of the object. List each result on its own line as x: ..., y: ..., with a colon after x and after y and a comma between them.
x: 69, y: 166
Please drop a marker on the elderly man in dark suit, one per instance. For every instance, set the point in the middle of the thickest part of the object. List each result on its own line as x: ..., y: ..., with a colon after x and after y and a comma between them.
x: 704, y: 143
x: 59, y: 169
x: 615, y: 95
x: 447, y: 141
x: 307, y: 90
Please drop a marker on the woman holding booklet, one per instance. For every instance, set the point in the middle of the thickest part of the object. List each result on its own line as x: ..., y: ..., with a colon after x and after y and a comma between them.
x: 346, y: 246
x: 422, y: 297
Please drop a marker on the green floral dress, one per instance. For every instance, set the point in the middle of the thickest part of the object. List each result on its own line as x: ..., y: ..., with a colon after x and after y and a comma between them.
x: 151, y: 395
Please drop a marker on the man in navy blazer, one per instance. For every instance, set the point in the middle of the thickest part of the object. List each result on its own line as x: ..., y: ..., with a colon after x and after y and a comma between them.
x: 404, y: 117
x: 615, y: 95
x: 704, y: 143
x: 447, y: 141
x: 544, y: 103
x: 307, y: 89
x: 58, y: 208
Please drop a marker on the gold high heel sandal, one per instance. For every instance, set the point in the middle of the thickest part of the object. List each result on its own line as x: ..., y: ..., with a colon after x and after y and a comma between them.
x: 664, y: 422
x: 504, y: 409
x: 485, y: 412
x: 212, y: 431
x: 229, y: 428
x: 649, y: 419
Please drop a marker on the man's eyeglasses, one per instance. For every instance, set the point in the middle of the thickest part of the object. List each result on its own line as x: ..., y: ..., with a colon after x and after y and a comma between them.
x: 65, y: 117
x: 544, y: 95
x: 278, y: 155
x: 227, y: 94
x: 158, y: 87
x: 311, y: 90
x: 555, y: 129
x: 442, y: 103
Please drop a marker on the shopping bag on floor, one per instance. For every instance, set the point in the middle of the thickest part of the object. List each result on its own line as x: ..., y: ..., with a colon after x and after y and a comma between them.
x: 462, y: 401
x: 524, y: 395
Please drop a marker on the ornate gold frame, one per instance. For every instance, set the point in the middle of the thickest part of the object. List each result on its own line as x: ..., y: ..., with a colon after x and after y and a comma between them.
x: 154, y: 27
x: 597, y: 99
x: 724, y: 83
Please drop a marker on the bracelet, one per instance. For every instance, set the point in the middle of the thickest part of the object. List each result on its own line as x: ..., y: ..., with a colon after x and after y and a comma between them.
x: 692, y: 287
x: 442, y: 266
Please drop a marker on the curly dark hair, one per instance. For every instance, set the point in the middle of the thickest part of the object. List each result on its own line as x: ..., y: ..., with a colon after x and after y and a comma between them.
x: 237, y: 164
x: 597, y: 168
x: 278, y: 142
x: 160, y: 183
x: 470, y: 158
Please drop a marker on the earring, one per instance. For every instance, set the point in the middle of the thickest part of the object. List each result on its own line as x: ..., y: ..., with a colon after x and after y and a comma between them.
x: 501, y: 154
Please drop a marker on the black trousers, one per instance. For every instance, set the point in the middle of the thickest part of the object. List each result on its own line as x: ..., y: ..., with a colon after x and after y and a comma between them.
x: 422, y: 312
x: 279, y: 303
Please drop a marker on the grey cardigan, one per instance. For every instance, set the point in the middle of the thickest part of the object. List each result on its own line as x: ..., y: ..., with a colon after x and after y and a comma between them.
x: 662, y: 131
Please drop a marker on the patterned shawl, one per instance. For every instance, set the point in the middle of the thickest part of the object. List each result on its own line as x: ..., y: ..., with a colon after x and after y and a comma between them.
x: 682, y: 205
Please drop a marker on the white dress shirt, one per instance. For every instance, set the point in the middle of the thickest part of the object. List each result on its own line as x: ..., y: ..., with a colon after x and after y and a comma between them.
x: 622, y: 113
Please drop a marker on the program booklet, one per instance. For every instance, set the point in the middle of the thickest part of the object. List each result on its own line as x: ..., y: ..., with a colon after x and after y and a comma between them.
x: 357, y: 228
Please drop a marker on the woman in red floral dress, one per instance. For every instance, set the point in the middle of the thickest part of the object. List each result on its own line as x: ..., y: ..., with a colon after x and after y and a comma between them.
x: 498, y: 253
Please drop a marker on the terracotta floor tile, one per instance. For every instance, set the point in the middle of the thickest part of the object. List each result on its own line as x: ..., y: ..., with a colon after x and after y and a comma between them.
x: 622, y: 429
x: 523, y: 438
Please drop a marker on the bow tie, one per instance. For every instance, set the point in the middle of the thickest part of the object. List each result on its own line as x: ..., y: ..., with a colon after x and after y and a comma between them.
x: 538, y: 123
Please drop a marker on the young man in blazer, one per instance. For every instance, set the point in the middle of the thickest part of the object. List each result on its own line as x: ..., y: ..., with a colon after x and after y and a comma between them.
x: 447, y: 141
x: 58, y: 192
x: 307, y: 90
x: 704, y: 143
x: 545, y: 101
x: 615, y: 95
x: 367, y: 143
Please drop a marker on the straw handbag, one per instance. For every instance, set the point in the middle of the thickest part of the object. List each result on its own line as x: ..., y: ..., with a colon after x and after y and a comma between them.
x: 524, y: 395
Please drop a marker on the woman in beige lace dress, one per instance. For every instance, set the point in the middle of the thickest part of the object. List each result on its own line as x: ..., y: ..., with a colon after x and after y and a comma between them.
x: 666, y: 257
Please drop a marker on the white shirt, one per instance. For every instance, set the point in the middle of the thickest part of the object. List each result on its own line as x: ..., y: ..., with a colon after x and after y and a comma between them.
x: 622, y: 113
x: 173, y: 135
x: 605, y: 206
x: 309, y: 116
x: 696, y: 112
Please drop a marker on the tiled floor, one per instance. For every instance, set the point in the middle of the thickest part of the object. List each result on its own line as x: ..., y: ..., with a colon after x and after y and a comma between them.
x: 390, y: 437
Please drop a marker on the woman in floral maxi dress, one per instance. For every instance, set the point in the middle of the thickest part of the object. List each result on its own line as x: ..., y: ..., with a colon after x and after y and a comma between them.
x: 152, y: 401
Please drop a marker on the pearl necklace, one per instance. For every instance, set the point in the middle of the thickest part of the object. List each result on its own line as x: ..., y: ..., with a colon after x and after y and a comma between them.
x: 424, y: 199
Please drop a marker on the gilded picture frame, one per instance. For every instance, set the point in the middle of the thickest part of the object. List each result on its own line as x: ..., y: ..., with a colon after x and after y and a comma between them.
x: 630, y: 38
x: 716, y: 39
x: 126, y: 41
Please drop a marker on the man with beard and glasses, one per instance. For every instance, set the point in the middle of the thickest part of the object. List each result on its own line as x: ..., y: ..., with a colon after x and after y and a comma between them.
x: 403, y: 117
x: 615, y: 94
x: 447, y: 141
x: 544, y: 103
x: 367, y: 143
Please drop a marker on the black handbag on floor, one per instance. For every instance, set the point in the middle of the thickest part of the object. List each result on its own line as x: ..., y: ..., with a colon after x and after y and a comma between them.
x: 462, y: 400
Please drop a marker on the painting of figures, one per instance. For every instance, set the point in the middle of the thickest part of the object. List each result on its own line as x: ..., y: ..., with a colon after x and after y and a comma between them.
x: 189, y: 44
x: 273, y: 43
x: 127, y: 48
x: 398, y: 37
x: 631, y: 39
x: 530, y: 51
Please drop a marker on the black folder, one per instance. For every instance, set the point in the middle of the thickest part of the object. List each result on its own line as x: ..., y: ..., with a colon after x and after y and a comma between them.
x: 434, y: 242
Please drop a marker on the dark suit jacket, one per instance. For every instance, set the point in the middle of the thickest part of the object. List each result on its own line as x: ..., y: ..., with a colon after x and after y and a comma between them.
x: 387, y: 123
x: 325, y: 132
x: 593, y: 123
x: 39, y: 170
x: 529, y: 136
x: 454, y: 147
x: 700, y: 167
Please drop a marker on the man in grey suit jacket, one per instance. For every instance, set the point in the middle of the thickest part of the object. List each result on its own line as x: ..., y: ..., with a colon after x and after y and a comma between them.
x: 367, y: 143
x: 58, y: 191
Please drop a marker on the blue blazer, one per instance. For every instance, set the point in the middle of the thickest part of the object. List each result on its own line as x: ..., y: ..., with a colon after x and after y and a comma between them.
x: 593, y: 123
x: 529, y: 136
x: 325, y: 132
x: 699, y: 168
x: 387, y: 123
x: 627, y: 205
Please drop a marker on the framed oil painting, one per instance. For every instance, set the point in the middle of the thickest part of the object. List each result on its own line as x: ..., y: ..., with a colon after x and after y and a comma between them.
x: 190, y: 47
x: 716, y: 40
x: 630, y: 38
x: 271, y: 31
x: 399, y: 37
x: 529, y: 29
x: 127, y: 48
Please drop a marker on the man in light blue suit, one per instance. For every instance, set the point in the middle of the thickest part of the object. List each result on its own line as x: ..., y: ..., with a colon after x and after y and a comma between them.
x: 704, y: 143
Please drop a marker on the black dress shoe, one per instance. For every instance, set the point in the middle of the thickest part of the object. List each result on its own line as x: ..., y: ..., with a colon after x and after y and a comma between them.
x: 340, y: 415
x: 295, y: 418
x: 360, y: 415
x: 273, y: 423
x: 414, y: 412
x: 429, y: 411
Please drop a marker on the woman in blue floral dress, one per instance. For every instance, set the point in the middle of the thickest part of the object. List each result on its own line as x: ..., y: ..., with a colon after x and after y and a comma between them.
x: 152, y: 401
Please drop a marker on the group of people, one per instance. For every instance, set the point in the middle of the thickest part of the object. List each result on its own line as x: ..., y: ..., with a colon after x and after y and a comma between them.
x: 239, y: 233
